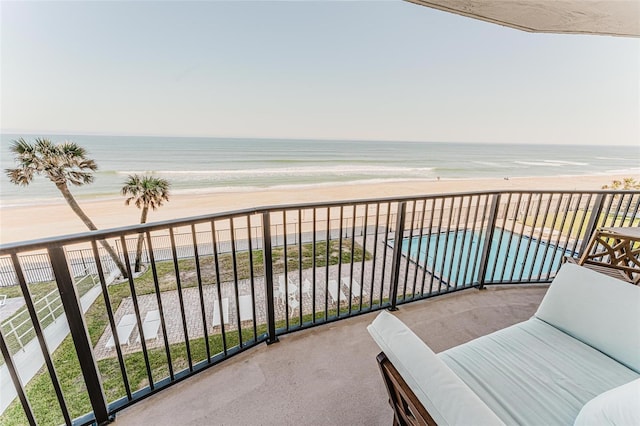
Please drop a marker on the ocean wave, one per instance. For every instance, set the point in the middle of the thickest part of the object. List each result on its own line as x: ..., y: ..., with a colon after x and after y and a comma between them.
x: 631, y: 170
x: 227, y: 189
x: 492, y: 164
x: 537, y: 163
x: 551, y: 163
x: 344, y: 170
x: 566, y: 163
x: 617, y: 159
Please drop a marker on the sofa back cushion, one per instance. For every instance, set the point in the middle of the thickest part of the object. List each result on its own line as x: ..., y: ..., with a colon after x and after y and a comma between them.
x: 599, y: 310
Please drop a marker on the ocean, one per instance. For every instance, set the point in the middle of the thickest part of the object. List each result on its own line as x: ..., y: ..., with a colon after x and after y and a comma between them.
x: 195, y: 165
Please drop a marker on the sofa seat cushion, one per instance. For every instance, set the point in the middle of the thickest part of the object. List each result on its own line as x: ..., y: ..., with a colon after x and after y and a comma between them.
x: 533, y: 374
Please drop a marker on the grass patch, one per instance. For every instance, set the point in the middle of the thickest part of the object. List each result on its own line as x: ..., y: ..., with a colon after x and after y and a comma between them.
x: 188, y: 277
x: 575, y: 222
x: 21, y: 319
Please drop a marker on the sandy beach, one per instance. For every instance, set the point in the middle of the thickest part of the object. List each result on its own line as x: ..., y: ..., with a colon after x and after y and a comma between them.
x: 38, y: 221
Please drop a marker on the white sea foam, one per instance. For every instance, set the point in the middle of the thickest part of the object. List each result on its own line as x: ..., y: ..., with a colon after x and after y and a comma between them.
x: 229, y: 189
x: 635, y: 160
x: 292, y: 171
x: 492, y: 164
x: 538, y: 163
x: 567, y: 163
x: 632, y: 170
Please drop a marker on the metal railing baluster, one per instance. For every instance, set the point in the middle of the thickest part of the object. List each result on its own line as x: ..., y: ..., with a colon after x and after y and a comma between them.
x: 313, y: 268
x: 326, y: 262
x: 268, y: 276
x: 163, y: 323
x: 596, y: 210
x: 236, y: 289
x: 252, y: 278
x: 79, y: 334
x: 488, y: 240
x: 365, y: 224
x: 176, y: 268
x: 112, y: 322
x: 397, y: 254
x: 532, y: 231
x: 136, y: 308
x: 15, y: 379
x: 196, y: 257
x: 216, y: 263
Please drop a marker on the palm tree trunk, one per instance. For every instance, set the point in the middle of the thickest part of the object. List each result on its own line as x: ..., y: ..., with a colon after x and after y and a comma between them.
x: 143, y: 219
x: 82, y: 215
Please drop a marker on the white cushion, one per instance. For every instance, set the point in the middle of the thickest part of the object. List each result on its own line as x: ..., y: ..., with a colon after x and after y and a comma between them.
x: 448, y: 399
x: 619, y: 406
x: 599, y: 310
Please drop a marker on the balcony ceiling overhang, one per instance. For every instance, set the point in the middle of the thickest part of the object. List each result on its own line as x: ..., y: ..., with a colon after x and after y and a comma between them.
x: 608, y: 17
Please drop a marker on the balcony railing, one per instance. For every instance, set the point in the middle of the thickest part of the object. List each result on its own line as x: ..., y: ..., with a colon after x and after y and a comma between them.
x: 216, y: 285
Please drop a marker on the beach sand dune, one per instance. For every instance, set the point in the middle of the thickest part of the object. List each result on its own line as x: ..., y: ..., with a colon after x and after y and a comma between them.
x: 39, y: 221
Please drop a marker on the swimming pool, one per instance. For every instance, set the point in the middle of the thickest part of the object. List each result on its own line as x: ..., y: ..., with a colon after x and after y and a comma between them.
x: 454, y: 256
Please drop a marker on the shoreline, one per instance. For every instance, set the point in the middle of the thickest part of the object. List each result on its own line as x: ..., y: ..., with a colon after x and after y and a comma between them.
x: 29, y: 222
x: 54, y: 197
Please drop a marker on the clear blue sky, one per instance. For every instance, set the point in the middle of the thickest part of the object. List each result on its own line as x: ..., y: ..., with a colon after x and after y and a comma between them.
x: 386, y: 70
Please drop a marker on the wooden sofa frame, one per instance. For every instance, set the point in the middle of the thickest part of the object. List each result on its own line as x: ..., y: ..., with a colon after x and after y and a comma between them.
x: 407, y: 409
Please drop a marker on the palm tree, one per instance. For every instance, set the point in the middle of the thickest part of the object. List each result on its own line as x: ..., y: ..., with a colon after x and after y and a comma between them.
x: 63, y: 164
x: 145, y: 192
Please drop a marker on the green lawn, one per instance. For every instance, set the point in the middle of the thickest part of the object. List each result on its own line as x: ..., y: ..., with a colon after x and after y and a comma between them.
x: 574, y: 220
x: 40, y: 390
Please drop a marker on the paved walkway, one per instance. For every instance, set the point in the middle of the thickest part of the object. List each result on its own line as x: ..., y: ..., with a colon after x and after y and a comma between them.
x: 10, y: 307
x: 193, y: 310
x: 373, y: 284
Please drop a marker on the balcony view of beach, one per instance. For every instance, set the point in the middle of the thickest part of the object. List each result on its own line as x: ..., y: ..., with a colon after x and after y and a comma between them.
x: 319, y: 212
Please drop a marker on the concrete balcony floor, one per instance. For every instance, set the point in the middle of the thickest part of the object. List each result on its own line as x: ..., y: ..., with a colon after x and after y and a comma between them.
x: 327, y: 375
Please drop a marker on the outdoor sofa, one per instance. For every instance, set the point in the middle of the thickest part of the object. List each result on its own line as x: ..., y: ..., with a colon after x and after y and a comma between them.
x: 576, y: 361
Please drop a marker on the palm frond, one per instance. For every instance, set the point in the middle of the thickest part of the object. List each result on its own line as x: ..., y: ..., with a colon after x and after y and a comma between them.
x: 60, y: 163
x: 21, y: 176
x: 146, y: 191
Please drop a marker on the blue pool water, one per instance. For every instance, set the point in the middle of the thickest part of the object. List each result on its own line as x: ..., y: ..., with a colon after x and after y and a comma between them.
x: 455, y: 256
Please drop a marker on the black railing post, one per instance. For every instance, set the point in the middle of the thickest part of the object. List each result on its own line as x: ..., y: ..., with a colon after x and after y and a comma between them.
x: 593, y: 222
x: 397, y: 254
x: 79, y: 334
x: 15, y: 378
x: 268, y: 277
x: 491, y: 226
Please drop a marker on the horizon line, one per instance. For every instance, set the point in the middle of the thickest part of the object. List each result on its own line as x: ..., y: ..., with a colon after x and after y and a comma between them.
x: 307, y: 138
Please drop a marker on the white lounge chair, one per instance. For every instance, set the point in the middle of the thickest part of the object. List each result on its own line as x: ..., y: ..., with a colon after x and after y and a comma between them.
x: 150, y: 326
x: 124, y: 329
x: 246, y: 308
x: 3, y: 299
x: 355, y: 287
x: 334, y: 289
x: 306, y: 287
x: 281, y: 289
x: 294, y: 304
x: 225, y: 312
